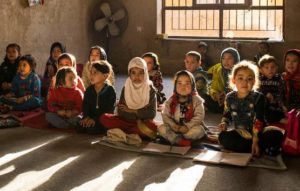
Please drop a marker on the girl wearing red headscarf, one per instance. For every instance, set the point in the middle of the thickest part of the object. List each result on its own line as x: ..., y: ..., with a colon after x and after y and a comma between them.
x: 291, y: 77
x: 183, y: 114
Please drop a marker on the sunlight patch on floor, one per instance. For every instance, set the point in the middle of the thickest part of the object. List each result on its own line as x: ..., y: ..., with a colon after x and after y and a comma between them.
x: 32, y: 179
x: 12, y: 156
x: 7, y: 170
x: 180, y: 179
x: 108, y: 180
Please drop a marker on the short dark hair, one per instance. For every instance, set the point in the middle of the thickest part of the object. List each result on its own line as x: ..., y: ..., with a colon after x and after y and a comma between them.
x: 266, y: 59
x: 14, y: 45
x: 195, y: 54
x: 102, y: 66
x: 154, y: 57
x: 30, y: 59
x: 61, y: 75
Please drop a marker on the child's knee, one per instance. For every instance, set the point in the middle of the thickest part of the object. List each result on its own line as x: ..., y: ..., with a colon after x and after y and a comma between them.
x: 162, y: 129
x: 271, y: 142
x: 105, y: 119
x: 195, y: 133
x: 50, y: 116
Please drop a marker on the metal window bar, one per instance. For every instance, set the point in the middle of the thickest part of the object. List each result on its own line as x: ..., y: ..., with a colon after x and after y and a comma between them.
x: 206, y: 20
x: 186, y: 15
x: 182, y: 13
x: 182, y: 19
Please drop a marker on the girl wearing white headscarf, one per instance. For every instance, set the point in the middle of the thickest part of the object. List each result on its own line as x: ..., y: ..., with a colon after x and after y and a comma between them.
x: 137, y: 105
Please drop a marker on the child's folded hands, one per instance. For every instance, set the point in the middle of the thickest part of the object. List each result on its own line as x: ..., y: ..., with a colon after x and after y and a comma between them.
x: 87, y: 122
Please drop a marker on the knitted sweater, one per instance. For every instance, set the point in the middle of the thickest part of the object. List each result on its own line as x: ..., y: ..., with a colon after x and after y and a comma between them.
x: 62, y: 98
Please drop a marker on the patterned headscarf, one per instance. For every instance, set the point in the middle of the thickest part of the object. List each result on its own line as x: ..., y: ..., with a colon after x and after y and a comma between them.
x: 175, y: 97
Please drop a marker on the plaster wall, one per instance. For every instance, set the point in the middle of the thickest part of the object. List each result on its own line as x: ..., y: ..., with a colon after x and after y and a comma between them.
x: 36, y: 28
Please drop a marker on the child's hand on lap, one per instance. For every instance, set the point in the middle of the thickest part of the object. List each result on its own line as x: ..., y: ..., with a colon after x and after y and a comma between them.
x: 255, y: 147
x: 9, y: 95
x: 87, y: 122
x: 83, y: 122
x: 221, y: 99
x: 61, y: 113
x: 183, y: 129
x: 222, y: 126
x: 69, y: 113
x: 175, y: 128
x: 20, y: 100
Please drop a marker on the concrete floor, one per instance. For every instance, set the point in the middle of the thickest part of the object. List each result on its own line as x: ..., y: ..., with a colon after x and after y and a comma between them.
x: 33, y: 159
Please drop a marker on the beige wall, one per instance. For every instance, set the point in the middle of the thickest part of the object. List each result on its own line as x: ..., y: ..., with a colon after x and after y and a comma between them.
x: 36, y: 28
x: 71, y: 22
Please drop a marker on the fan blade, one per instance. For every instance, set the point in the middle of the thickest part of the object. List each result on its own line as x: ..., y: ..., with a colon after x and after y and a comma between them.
x: 100, y: 24
x: 120, y: 14
x: 113, y: 29
x: 105, y: 9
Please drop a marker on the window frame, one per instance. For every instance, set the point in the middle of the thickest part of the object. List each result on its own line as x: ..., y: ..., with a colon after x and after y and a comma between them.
x: 221, y: 7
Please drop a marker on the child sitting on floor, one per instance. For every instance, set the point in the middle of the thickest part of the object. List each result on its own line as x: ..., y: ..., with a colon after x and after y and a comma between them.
x: 99, y: 98
x: 8, y: 68
x: 219, y: 85
x: 26, y: 87
x: 192, y: 63
x: 51, y: 66
x: 67, y: 60
x: 271, y: 85
x: 97, y: 53
x: 64, y: 100
x: 137, y: 105
x: 244, y: 108
x: 206, y: 61
x: 183, y: 114
x: 291, y: 78
x: 155, y: 75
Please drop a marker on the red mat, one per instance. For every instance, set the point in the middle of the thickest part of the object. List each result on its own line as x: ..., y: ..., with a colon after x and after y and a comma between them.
x: 36, y: 119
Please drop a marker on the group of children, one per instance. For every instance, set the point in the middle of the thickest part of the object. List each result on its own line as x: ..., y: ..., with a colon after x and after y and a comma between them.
x: 250, y: 97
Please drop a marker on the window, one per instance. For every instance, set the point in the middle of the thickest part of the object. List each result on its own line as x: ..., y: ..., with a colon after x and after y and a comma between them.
x: 244, y: 19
